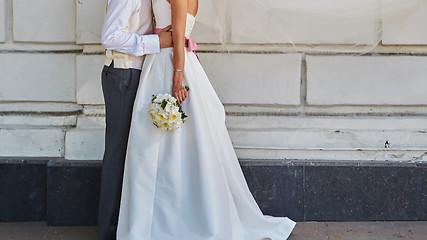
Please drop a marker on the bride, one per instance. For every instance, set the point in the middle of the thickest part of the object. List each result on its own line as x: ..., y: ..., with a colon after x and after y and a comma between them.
x: 186, y: 184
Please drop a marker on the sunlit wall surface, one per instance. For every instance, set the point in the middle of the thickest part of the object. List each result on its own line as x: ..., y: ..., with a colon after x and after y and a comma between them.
x: 296, y: 83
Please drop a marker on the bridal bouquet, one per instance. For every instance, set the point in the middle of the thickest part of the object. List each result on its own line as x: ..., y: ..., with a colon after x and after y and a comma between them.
x: 165, y: 112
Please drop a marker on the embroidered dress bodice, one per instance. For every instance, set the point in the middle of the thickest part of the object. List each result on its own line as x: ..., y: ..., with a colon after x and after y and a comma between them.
x: 163, y: 16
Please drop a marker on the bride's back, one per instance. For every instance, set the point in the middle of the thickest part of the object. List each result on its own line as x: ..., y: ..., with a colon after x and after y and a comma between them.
x: 192, y: 7
x: 163, y: 18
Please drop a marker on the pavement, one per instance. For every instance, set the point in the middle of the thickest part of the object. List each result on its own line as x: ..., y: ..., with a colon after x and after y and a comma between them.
x: 303, y: 231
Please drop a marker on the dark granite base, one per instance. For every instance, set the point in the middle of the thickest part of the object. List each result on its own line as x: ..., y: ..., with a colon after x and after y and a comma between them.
x: 67, y: 192
x: 22, y: 190
x: 73, y: 192
x: 365, y: 193
x: 278, y: 190
x: 339, y: 191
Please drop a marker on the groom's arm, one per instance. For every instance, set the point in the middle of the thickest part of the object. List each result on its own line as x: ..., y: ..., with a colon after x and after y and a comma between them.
x: 114, y: 36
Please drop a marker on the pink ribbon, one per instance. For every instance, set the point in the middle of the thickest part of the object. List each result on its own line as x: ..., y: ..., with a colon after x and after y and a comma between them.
x: 189, y: 43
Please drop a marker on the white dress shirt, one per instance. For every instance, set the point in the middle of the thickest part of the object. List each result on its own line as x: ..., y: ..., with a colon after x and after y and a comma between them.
x: 114, y: 35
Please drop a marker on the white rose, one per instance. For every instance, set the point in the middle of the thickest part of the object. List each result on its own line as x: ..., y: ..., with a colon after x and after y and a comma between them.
x: 157, y: 100
x: 175, y: 117
x: 159, y: 117
x: 164, y: 125
x: 152, y: 110
x: 165, y: 115
x: 160, y: 98
x: 174, y: 109
x: 168, y: 107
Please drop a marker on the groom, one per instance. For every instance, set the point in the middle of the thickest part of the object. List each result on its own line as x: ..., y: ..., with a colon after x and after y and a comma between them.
x: 127, y: 37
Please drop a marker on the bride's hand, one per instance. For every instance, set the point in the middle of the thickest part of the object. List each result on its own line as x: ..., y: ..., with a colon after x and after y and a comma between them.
x: 178, y: 91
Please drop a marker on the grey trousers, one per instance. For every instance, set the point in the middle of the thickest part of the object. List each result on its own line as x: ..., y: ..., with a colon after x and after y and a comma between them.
x: 119, y: 87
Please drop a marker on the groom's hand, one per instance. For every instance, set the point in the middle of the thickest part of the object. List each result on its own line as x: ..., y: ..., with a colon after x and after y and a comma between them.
x: 165, y: 37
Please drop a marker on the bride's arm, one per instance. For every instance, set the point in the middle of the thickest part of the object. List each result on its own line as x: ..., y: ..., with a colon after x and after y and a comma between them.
x: 179, y: 18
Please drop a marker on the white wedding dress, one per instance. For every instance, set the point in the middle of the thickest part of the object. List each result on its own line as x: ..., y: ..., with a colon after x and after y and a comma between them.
x: 186, y: 184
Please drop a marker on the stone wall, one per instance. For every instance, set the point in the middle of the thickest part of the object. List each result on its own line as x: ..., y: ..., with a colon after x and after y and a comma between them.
x: 281, y: 103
